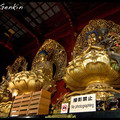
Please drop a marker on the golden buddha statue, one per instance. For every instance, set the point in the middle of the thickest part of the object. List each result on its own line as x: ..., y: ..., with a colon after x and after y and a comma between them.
x: 44, y: 66
x: 92, y: 41
x: 96, y: 61
x: 48, y: 66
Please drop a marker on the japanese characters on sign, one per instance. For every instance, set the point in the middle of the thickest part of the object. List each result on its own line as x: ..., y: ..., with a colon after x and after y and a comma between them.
x: 83, y: 103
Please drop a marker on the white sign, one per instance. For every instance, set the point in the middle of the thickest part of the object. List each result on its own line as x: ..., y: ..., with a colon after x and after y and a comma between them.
x: 64, y: 108
x: 83, y: 103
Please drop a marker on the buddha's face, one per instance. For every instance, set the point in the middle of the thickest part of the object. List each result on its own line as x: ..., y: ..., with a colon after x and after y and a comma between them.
x: 92, y: 39
x: 42, y: 57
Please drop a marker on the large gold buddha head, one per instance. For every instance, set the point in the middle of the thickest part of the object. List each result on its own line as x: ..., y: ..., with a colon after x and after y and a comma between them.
x: 96, y: 57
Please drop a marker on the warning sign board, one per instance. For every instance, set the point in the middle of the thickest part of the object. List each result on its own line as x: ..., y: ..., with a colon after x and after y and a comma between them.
x: 64, y: 108
x: 83, y: 103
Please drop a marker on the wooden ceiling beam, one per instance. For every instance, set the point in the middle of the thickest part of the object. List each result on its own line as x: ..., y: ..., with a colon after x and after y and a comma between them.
x: 110, y: 12
x: 8, y: 47
x: 91, y: 11
x: 22, y: 25
x: 99, y: 16
x: 64, y: 11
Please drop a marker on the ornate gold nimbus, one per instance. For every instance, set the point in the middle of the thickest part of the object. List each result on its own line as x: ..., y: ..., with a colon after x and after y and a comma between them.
x: 94, y: 25
x: 56, y: 55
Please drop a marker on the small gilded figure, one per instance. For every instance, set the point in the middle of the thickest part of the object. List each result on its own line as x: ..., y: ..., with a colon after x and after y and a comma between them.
x: 43, y: 65
x: 93, y: 39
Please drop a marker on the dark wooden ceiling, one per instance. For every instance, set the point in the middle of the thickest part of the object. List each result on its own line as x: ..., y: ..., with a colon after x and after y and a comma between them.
x: 38, y: 21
